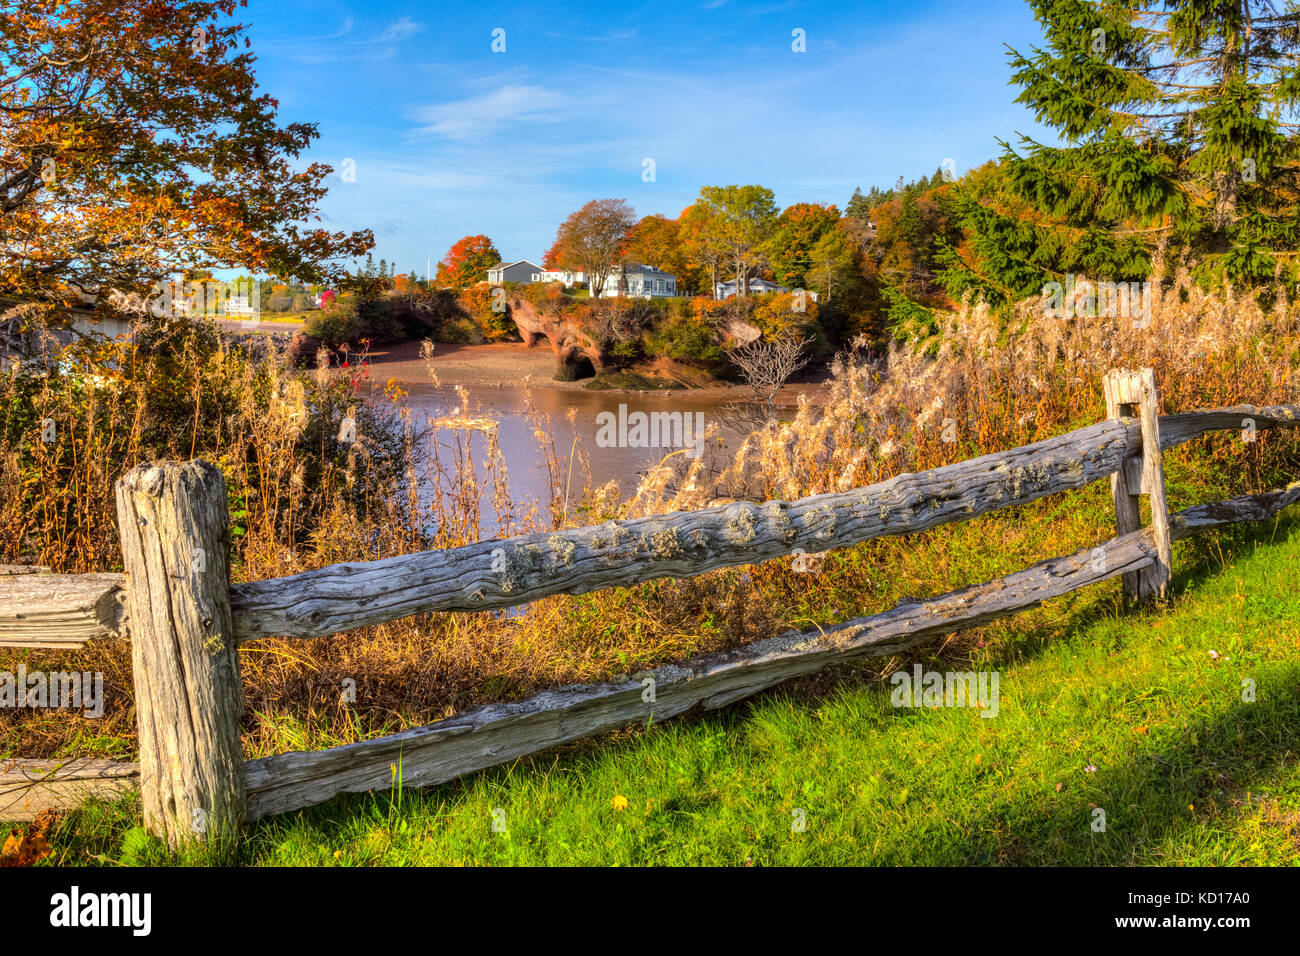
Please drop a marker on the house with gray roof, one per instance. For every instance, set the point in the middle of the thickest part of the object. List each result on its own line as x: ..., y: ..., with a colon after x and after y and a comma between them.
x: 521, y: 271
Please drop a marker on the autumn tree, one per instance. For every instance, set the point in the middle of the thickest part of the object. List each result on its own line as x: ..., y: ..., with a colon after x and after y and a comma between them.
x: 798, y: 230
x: 911, y: 230
x: 832, y: 265
x: 592, y: 240
x: 467, y: 262
x: 134, y: 146
x: 740, y: 223
x: 655, y: 241
x: 701, y: 234
x: 658, y: 241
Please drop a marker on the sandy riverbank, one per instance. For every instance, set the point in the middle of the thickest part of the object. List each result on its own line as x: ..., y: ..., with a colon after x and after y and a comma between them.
x: 513, y: 364
x: 505, y: 365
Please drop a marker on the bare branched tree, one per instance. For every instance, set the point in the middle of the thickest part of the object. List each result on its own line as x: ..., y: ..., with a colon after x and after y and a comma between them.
x: 766, y: 366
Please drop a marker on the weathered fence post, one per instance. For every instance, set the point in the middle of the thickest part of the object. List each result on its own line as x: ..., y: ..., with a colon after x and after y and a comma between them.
x: 1133, y: 394
x: 174, y: 524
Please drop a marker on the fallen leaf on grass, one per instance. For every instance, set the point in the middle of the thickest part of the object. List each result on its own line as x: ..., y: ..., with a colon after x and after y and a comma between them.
x: 25, y: 849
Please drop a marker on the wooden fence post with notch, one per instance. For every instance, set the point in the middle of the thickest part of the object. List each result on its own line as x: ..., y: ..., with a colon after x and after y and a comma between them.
x: 174, y: 523
x: 1131, y: 394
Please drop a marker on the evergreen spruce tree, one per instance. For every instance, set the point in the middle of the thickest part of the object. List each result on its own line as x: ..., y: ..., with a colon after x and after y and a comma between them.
x: 1175, y: 122
x: 858, y: 207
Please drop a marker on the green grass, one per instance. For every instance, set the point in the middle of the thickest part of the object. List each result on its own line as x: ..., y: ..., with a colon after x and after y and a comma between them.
x: 630, y: 380
x: 1187, y: 771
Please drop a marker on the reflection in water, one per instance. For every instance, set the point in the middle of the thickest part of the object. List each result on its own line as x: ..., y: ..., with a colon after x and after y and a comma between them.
x: 529, y: 478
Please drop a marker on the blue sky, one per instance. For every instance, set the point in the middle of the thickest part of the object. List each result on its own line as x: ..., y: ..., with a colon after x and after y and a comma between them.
x: 450, y: 138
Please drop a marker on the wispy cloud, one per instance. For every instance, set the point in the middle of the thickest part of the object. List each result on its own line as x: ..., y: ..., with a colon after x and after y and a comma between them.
x: 382, y: 46
x: 480, y: 114
x: 343, y: 31
x: 399, y: 30
x: 613, y: 36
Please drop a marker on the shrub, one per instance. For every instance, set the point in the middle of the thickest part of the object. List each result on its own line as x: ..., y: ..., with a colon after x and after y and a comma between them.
x: 461, y: 331
x: 476, y: 303
x: 685, y: 340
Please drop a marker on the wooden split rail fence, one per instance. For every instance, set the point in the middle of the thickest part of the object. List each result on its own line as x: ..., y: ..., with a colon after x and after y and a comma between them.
x: 186, y: 622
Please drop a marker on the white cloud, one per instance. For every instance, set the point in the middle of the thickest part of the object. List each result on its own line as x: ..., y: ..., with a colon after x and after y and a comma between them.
x: 399, y: 30
x: 513, y: 103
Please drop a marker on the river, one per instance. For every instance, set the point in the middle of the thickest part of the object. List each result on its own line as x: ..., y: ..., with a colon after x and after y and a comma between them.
x: 596, y: 420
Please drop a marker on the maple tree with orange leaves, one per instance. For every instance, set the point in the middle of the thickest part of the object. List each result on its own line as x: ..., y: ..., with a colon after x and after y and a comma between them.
x: 467, y: 262
x: 134, y: 146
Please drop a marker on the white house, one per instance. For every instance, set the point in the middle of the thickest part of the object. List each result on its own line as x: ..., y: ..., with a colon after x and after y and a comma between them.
x: 640, y: 282
x: 566, y: 277
x: 756, y: 287
x: 726, y: 290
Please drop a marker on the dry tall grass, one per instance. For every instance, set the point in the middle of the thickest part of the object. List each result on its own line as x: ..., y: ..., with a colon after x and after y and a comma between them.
x: 302, y: 499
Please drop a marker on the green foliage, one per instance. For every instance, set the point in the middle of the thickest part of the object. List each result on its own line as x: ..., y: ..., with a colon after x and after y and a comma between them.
x: 905, y: 318
x: 464, y: 331
x: 1175, y: 130
x: 1151, y: 700
x: 684, y: 339
x: 791, y: 248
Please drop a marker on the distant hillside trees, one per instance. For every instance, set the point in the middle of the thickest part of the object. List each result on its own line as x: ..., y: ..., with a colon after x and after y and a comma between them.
x: 798, y: 230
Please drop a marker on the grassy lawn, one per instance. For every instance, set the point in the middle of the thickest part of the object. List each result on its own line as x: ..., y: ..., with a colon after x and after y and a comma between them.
x: 1186, y: 771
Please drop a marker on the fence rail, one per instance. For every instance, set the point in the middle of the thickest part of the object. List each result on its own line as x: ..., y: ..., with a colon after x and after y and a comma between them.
x: 185, y: 621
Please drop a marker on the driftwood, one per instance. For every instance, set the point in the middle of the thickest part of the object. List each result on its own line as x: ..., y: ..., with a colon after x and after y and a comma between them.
x: 188, y: 696
x: 498, y: 733
x: 29, y: 786
x: 59, y: 610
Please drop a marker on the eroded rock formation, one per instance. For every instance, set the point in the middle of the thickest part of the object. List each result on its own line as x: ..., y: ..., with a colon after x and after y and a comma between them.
x: 568, y: 341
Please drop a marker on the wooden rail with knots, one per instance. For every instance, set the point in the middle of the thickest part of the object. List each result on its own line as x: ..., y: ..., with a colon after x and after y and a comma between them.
x: 186, y: 622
